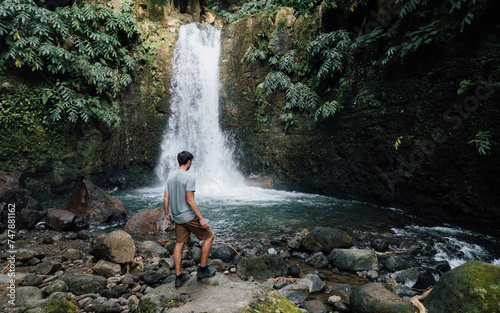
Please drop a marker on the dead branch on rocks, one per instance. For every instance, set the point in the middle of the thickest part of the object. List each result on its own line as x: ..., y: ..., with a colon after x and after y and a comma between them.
x: 290, y: 279
x: 415, y: 301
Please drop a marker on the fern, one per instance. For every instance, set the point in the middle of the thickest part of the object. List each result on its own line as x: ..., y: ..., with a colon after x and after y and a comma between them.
x: 302, y: 97
x: 330, y: 48
x: 253, y: 54
x: 77, y: 48
x: 277, y: 81
x: 327, y: 109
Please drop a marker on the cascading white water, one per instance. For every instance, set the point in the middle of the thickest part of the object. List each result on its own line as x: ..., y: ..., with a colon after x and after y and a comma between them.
x: 193, y: 124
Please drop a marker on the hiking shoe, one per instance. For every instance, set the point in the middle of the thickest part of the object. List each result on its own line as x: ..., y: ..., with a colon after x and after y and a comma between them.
x: 208, y: 273
x: 180, y: 280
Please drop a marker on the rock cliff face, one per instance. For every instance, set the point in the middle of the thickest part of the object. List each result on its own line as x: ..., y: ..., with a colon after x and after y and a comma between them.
x: 432, y: 170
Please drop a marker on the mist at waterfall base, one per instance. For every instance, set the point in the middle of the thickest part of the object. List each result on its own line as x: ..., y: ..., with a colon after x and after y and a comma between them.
x: 241, y: 213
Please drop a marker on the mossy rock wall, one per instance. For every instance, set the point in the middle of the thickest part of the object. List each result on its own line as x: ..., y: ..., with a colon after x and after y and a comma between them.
x: 434, y: 171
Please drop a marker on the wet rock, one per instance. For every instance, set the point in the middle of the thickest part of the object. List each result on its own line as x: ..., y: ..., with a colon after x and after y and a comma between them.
x: 375, y: 297
x: 296, y: 242
x: 152, y: 249
x: 223, y: 252
x: 295, y: 293
x: 293, y: 270
x: 72, y: 254
x: 15, y: 200
x: 404, y: 291
x: 281, y: 283
x: 149, y: 221
x: 26, y: 254
x: 32, y: 280
x: 62, y: 220
x: 216, y: 264
x: 47, y: 267
x: 117, y: 246
x: 23, y: 296
x: 317, y: 260
x: 94, y: 204
x: 84, y: 235
x: 261, y: 267
x: 56, y: 286
x: 470, y: 287
x: 325, y: 240
x: 196, y: 254
x: 396, y: 262
x: 315, y: 306
x: 416, y: 277
x: 107, y: 268
x: 344, y: 289
x: 80, y: 284
x: 353, y: 260
x: 380, y: 244
x: 313, y: 282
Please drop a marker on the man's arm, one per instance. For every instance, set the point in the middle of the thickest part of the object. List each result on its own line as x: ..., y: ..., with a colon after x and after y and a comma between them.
x: 166, y: 206
x: 194, y: 207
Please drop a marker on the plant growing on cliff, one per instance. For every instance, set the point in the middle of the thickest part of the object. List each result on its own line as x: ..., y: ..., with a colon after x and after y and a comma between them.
x: 78, y: 49
x: 482, y: 142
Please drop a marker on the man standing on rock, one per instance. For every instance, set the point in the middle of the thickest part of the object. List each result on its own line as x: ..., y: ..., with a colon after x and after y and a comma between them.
x: 181, y: 208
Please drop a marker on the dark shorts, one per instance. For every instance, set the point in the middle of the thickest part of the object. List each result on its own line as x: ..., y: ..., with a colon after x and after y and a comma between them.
x: 182, y: 231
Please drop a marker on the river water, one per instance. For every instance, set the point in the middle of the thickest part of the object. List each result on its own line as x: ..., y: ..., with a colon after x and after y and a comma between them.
x: 238, y: 212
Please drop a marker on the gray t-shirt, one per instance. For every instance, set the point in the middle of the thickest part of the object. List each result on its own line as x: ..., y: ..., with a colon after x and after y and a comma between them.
x: 178, y: 183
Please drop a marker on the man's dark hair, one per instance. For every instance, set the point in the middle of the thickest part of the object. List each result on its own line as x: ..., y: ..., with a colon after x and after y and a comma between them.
x: 184, y: 156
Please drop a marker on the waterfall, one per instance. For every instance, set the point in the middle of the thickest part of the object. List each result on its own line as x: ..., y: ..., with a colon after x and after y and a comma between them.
x: 193, y: 123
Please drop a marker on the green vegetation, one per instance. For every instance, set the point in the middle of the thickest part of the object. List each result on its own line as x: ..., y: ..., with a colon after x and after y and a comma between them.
x: 316, y: 80
x: 80, y: 50
x: 57, y: 306
x: 482, y: 142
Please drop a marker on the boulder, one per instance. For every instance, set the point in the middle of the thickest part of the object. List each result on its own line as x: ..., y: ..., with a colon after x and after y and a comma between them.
x: 56, y: 286
x: 14, y: 200
x: 317, y: 260
x: 316, y: 306
x: 376, y: 297
x: 107, y: 268
x: 261, y: 267
x: 353, y: 260
x: 471, y: 287
x: 72, y: 254
x: 416, y: 277
x: 325, y: 240
x: 313, y: 282
x: 26, y: 254
x: 80, y: 284
x: 223, y: 252
x: 23, y: 296
x: 295, y: 293
x: 149, y: 221
x: 151, y: 249
x: 117, y: 246
x: 63, y: 221
x: 94, y: 204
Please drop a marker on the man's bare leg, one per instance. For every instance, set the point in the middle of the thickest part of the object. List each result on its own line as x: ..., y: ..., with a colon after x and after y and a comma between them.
x: 205, y: 250
x: 178, y: 257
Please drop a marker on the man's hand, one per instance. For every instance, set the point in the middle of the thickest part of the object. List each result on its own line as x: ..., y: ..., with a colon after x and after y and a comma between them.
x: 203, y: 223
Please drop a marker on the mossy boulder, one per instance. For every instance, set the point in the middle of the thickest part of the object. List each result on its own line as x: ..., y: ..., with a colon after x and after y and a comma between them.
x: 473, y: 287
x: 272, y: 302
x: 261, y: 267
